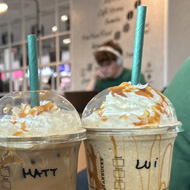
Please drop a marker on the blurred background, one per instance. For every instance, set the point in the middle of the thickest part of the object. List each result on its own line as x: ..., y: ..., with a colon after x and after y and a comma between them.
x: 69, y: 31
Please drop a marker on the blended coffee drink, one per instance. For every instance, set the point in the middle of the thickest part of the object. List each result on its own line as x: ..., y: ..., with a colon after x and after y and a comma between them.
x: 38, y: 146
x: 131, y: 130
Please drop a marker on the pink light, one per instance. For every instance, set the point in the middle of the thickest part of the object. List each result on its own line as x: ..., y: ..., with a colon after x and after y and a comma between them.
x: 17, y: 74
x: 2, y: 76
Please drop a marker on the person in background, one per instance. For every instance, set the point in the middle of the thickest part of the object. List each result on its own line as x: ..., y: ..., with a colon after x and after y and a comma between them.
x: 110, y: 70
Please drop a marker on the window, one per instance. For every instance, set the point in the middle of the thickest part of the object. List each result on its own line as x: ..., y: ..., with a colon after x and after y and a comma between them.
x: 54, y: 54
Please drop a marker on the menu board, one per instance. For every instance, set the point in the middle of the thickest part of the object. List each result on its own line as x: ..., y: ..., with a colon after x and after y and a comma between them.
x: 95, y: 22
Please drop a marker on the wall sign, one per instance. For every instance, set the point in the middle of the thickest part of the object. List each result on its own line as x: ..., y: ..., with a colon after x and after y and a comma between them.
x: 94, y: 22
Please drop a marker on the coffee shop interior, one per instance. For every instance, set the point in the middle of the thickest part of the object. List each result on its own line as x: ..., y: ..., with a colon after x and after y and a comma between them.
x: 42, y: 18
x: 65, y: 30
x: 68, y: 31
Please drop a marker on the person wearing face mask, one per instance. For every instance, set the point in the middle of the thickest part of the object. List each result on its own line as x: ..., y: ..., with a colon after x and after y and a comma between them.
x: 110, y: 71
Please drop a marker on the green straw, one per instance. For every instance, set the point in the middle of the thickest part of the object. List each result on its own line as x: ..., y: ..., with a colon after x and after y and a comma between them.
x: 33, y: 68
x: 138, y: 46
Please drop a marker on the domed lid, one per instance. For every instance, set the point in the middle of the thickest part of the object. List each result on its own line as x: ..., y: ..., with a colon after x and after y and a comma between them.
x: 130, y: 107
x: 54, y: 119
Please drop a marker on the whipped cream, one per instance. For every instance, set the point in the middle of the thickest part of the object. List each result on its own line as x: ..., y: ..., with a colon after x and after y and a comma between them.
x: 131, y: 106
x: 44, y: 120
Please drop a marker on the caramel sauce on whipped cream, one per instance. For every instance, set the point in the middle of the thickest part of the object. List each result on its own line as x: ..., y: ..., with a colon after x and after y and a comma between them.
x: 138, y: 105
x: 26, y: 110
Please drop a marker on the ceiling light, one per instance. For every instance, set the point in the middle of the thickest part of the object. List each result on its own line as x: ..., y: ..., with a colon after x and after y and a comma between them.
x: 67, y: 41
x: 3, y: 7
x: 54, y: 28
x: 64, y: 18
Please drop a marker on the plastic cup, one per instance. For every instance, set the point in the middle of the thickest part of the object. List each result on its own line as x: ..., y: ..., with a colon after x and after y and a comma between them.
x: 127, y: 158
x: 43, y: 160
x: 122, y: 159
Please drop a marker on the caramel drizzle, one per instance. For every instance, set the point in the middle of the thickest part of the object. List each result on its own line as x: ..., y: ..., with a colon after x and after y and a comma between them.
x: 13, y: 122
x: 146, y: 118
x: 23, y: 113
x: 36, y: 110
x: 19, y: 133
x: 170, y: 163
x: 94, y: 173
x: 164, y: 183
x: 100, y: 113
x: 125, y: 87
x: 23, y: 126
x: 145, y: 92
x: 161, y: 95
x: 160, y: 182
x: 123, y: 117
x: 116, y: 161
x: 163, y: 103
x: 118, y: 90
x: 162, y: 106
x: 142, y: 186
x: 151, y: 149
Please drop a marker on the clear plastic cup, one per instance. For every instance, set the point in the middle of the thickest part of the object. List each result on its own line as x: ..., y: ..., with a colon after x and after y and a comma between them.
x: 42, y: 159
x: 127, y: 158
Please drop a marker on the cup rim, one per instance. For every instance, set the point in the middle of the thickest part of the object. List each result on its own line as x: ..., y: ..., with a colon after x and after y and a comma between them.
x: 164, y: 129
x: 78, y: 135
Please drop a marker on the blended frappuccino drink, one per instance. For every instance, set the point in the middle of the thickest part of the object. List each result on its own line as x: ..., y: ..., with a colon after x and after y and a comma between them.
x: 131, y: 130
x: 38, y: 146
